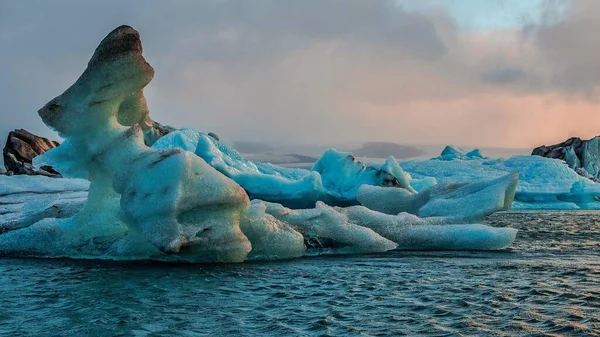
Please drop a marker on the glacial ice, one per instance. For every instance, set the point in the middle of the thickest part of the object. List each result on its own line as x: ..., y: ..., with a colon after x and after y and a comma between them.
x: 544, y: 183
x: 334, y: 179
x: 187, y: 198
x: 330, y: 231
x: 411, y: 232
x: 452, y: 202
x: 453, y: 153
x: 338, y: 179
x: 271, y: 238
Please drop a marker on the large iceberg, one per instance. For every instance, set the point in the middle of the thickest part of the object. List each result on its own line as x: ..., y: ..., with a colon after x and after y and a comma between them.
x: 187, y: 198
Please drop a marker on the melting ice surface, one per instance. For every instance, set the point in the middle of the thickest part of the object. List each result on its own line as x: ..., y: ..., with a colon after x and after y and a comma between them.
x: 544, y: 183
x: 187, y: 198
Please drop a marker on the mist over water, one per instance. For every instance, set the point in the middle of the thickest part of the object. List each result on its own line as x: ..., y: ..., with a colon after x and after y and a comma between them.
x: 547, y: 282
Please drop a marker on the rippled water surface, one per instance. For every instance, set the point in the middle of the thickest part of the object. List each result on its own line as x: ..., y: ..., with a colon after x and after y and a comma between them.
x: 548, y: 283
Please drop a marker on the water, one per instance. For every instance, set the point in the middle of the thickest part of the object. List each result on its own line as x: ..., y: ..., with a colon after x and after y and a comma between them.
x: 548, y: 283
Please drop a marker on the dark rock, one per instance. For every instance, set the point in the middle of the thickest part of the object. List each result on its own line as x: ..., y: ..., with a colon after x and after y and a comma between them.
x: 20, y: 149
x: 557, y: 151
x: 214, y: 135
x: 583, y: 156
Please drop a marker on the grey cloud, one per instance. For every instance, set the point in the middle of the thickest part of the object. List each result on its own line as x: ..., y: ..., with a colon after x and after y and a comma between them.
x: 572, y: 46
x: 270, y: 70
x: 503, y: 75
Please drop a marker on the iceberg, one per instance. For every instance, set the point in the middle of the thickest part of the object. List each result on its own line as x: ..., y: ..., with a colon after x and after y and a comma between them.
x: 187, y: 197
x: 338, y: 179
x: 334, y: 179
x: 411, y: 232
x: 451, y: 202
x: 544, y: 183
x: 330, y: 231
x: 170, y: 201
x: 452, y: 153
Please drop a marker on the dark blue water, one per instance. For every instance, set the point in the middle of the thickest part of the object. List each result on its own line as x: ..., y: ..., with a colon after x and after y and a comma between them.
x: 548, y: 283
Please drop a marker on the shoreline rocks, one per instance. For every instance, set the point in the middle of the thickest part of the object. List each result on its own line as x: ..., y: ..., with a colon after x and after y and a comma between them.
x: 20, y: 149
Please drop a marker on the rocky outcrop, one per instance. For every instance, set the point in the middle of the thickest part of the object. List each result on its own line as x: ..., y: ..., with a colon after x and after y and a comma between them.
x: 20, y: 149
x: 583, y: 156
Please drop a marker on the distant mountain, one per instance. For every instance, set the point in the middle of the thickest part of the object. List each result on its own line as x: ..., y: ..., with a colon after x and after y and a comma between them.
x: 279, y: 159
x: 386, y: 149
x: 252, y: 147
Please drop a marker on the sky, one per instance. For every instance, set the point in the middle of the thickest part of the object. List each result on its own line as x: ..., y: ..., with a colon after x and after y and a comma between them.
x: 489, y: 73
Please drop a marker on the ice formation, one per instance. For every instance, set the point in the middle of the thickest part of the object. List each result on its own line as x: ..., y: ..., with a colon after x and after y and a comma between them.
x: 187, y: 198
x: 179, y: 204
x: 544, y: 183
x: 411, y: 232
x: 461, y: 202
x: 334, y: 179
x: 452, y: 153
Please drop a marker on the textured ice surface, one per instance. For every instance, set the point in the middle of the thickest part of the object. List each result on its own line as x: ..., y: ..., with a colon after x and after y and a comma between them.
x: 271, y: 239
x: 411, y: 232
x: 25, y: 199
x: 453, y: 153
x: 329, y: 231
x: 334, y: 179
x: 454, y: 202
x: 544, y: 183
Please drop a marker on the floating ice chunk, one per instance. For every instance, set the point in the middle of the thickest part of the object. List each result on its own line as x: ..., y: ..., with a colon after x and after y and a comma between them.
x: 451, y: 152
x: 391, y: 200
x: 543, y: 182
x: 342, y: 174
x: 475, y: 154
x: 412, y: 232
x: 39, y: 184
x: 24, y: 209
x: 328, y: 231
x: 464, y: 202
x: 472, y: 202
x: 454, y: 153
x: 271, y: 239
x: 457, y: 237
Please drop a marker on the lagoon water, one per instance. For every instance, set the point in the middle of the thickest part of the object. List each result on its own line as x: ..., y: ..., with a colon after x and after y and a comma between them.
x: 547, y: 283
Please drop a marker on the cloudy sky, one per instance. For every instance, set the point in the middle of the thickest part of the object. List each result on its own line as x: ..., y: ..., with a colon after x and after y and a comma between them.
x: 506, y: 73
